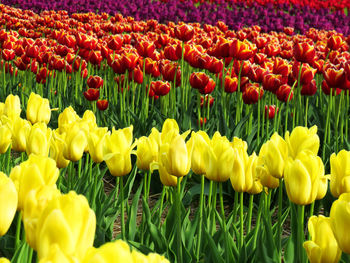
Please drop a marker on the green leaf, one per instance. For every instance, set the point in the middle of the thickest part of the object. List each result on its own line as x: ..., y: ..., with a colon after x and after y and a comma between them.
x: 131, y: 225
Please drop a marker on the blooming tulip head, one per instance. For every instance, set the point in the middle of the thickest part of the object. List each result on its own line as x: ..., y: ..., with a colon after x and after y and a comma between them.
x: 71, y: 217
x: 67, y: 117
x: 301, y: 139
x: 117, y: 150
x: 302, y: 177
x: 8, y: 204
x: 147, y: 150
x: 12, y: 107
x: 323, y: 246
x: 340, y: 173
x: 38, y: 109
x: 199, y: 158
x: 57, y: 145
x: 96, y: 140
x: 5, y: 135
x: 220, y: 159
x: 75, y: 143
x: 20, y: 132
x: 38, y: 139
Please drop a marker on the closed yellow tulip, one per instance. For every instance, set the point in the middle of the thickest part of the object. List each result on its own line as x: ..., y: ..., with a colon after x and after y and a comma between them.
x: 89, y: 120
x: 20, y: 132
x: 301, y: 139
x: 340, y: 173
x: 156, y: 258
x: 38, y: 139
x: 12, y: 107
x: 75, y: 143
x: 147, y: 150
x: 323, y: 247
x: 68, y: 222
x: 8, y: 202
x: 56, y: 255
x: 302, y: 177
x: 34, y: 204
x: 340, y: 216
x: 175, y: 156
x: 96, y: 139
x: 66, y: 118
x: 4, y: 260
x: 263, y: 173
x: 35, y: 173
x: 165, y: 178
x: 117, y: 151
x: 38, y: 109
x: 199, y: 157
x: 5, y: 138
x: 274, y: 153
x: 56, y: 149
x: 169, y: 130
x: 2, y: 107
x: 116, y: 252
x: 220, y: 159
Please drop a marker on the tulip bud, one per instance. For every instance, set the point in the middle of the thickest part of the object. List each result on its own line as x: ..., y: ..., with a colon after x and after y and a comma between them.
x: 8, y: 204
x: 20, y: 132
x: 340, y: 176
x: 38, y: 139
x: 38, y: 109
x: 34, y: 204
x: 5, y: 138
x: 302, y: 177
x: 56, y: 149
x: 275, y: 154
x: 71, y: 217
x: 67, y: 117
x: 75, y: 143
x: 12, y: 107
x: 117, y: 151
x: 301, y: 139
x: 147, y: 150
x: 116, y: 251
x: 96, y: 139
x: 220, y: 159
x: 199, y: 157
x: 33, y: 174
x: 323, y: 246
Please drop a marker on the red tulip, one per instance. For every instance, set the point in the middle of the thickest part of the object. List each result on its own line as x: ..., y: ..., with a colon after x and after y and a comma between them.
x: 8, y: 54
x: 209, y: 88
x: 309, y: 89
x: 230, y: 84
x: 204, y: 102
x: 145, y: 48
x: 32, y: 51
x: 334, y: 77
x: 184, y: 32
x: 334, y: 42
x: 160, y: 88
x: 95, y: 82
x: 92, y: 94
x: 251, y: 94
x: 198, y: 80
x: 304, y: 52
x: 327, y: 89
x: 129, y: 61
x: 241, y: 50
x: 102, y: 104
x: 284, y: 92
x: 115, y: 42
x: 270, y: 111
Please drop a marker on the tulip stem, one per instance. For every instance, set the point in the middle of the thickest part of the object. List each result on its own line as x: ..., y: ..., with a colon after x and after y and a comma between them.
x: 178, y: 225
x: 241, y: 240
x: 122, y: 208
x: 306, y: 110
x: 227, y: 248
x: 200, y: 217
x: 279, y: 226
x: 250, y: 212
x: 161, y: 206
x: 300, y: 249
x: 18, y: 230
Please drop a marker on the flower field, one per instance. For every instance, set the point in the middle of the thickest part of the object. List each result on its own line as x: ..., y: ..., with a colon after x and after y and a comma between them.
x: 174, y: 131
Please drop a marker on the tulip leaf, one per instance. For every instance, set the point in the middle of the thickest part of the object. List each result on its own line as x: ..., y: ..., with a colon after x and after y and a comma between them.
x: 289, y: 253
x: 213, y: 254
x: 142, y: 248
x: 131, y: 222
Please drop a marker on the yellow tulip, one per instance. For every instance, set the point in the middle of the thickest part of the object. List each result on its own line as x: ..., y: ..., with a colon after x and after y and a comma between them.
x: 322, y: 188
x: 175, y: 156
x: 117, y: 251
x: 75, y: 143
x: 96, y: 139
x: 340, y: 216
x: 89, y: 120
x: 117, y: 151
x: 20, y: 132
x: 38, y: 140
x: 5, y: 138
x: 169, y: 130
x: 302, y: 177
x: 323, y: 247
x: 56, y: 255
x: 68, y: 222
x: 33, y: 174
x: 147, y: 150
x: 274, y: 153
x: 263, y: 173
x: 34, y: 204
x: 301, y: 139
x: 199, y: 157
x: 220, y: 159
x: 2, y: 107
x: 4, y: 260
x: 12, y: 107
x: 38, y: 109
x: 56, y: 149
x: 156, y: 258
x: 8, y: 202
x: 165, y: 178
x: 66, y: 118
x: 340, y: 173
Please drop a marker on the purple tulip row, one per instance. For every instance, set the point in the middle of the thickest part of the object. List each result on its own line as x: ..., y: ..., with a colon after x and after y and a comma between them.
x: 269, y: 17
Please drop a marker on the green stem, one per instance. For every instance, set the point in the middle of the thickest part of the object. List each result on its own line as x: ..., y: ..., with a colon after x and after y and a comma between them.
x: 178, y: 224
x: 122, y: 207
x: 250, y: 212
x: 161, y: 206
x: 279, y: 215
x: 200, y: 217
x: 18, y: 230
x: 241, y: 239
x: 301, y: 237
x: 227, y: 248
